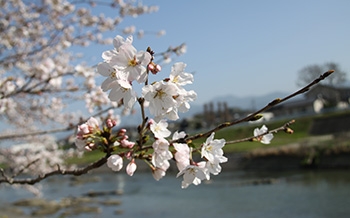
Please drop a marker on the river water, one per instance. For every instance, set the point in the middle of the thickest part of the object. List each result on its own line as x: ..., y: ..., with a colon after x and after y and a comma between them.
x: 301, y: 194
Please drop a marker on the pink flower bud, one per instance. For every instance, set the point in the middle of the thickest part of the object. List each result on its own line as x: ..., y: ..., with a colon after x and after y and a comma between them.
x: 122, y: 132
x: 126, y: 144
x: 131, y: 168
x: 111, y: 123
x: 154, y: 68
x: 151, y: 121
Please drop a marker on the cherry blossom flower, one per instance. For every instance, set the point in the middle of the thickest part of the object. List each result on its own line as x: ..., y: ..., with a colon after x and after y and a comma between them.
x: 114, y: 80
x: 167, y: 97
x: 160, y: 172
x: 106, y: 70
x: 159, y: 129
x: 118, y: 41
x: 182, y: 154
x: 115, y: 162
x: 214, y: 167
x: 122, y: 90
x: 126, y: 60
x: 160, y: 96
x: 183, y: 99
x: 193, y: 174
x: 161, y: 153
x: 122, y: 66
x: 265, y: 139
x: 178, y: 76
x: 181, y: 78
x: 212, y: 149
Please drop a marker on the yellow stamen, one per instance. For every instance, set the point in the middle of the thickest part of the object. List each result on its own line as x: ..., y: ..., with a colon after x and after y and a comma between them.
x: 159, y: 94
x: 133, y: 62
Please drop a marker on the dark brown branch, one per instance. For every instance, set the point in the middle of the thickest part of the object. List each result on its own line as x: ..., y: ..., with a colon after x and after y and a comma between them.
x: 59, y: 171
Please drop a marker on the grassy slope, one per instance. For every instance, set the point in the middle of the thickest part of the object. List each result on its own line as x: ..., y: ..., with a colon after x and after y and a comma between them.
x: 300, y: 127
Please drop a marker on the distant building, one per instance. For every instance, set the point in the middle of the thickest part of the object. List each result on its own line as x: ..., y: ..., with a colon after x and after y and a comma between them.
x: 314, y: 101
x: 298, y: 107
x: 334, y: 96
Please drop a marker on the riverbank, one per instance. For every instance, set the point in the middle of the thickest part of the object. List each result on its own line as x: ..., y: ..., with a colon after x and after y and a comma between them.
x: 321, y: 152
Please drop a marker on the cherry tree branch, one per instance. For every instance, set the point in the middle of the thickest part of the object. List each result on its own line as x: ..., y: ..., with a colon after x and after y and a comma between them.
x: 285, y: 128
x: 252, y: 116
x: 59, y: 171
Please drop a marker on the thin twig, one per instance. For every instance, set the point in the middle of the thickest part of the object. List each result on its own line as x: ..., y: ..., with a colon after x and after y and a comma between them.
x: 25, y: 167
x: 281, y: 128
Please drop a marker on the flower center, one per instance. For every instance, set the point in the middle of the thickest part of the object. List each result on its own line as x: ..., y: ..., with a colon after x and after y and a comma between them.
x: 176, y: 79
x: 209, y: 148
x: 157, y: 128
x: 133, y: 62
x: 113, y: 74
x: 160, y: 93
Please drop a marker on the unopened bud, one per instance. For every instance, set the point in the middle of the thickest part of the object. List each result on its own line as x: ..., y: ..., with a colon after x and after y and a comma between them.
x: 131, y: 167
x: 111, y: 123
x: 122, y: 132
x: 256, y: 117
x: 274, y: 102
x: 289, y: 130
x: 254, y: 139
x: 154, y: 68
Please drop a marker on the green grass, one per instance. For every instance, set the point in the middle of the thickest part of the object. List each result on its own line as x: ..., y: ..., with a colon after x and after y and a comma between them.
x: 88, y: 157
x: 300, y: 127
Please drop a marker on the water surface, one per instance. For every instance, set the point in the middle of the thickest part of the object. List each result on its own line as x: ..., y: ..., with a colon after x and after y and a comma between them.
x: 302, y: 194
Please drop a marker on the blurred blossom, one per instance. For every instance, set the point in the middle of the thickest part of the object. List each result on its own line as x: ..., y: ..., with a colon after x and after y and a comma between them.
x: 115, y: 162
x: 265, y: 139
x: 161, y: 33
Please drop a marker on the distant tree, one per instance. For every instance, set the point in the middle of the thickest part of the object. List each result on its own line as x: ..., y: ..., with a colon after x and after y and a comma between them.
x: 310, y: 72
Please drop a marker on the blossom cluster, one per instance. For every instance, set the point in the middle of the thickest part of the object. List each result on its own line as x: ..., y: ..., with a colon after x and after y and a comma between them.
x: 124, y: 67
x: 34, y: 158
x: 41, y: 69
x: 44, y: 76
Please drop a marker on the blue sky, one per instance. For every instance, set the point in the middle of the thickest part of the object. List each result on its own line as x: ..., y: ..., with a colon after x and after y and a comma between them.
x: 247, y: 48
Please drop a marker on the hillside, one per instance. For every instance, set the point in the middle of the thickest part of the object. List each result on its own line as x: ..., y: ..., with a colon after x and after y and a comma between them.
x: 321, y: 142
